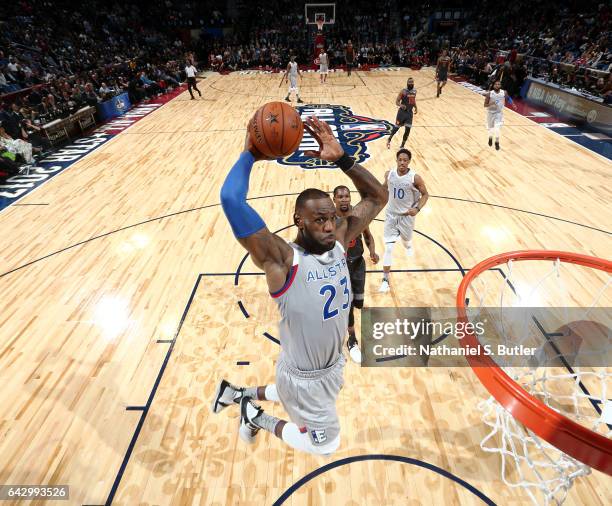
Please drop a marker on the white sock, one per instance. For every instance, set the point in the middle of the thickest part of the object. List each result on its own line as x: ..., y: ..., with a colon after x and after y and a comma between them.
x: 271, y: 393
x: 388, y: 254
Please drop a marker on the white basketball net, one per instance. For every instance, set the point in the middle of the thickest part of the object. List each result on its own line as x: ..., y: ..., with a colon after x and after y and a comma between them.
x: 544, y: 472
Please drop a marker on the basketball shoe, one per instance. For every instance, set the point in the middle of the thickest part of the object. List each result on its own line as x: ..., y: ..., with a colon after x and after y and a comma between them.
x: 384, y: 286
x: 248, y: 411
x: 227, y: 394
x: 353, y: 348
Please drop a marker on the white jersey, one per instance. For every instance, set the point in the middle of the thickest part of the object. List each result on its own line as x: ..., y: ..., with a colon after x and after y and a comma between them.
x: 314, y: 305
x: 403, y: 195
x: 496, y: 102
x: 293, y: 69
x: 190, y: 70
x: 323, y: 59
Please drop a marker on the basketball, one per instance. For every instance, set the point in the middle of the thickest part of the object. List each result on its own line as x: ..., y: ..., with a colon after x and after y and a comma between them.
x: 276, y: 129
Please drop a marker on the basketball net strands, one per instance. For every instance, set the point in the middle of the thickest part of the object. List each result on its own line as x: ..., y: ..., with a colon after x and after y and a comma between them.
x: 549, y: 424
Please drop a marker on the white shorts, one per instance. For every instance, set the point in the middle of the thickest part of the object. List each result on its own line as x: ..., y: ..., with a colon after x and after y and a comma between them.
x: 293, y: 84
x: 323, y: 69
x: 398, y: 227
x: 309, y: 398
x: 495, y: 119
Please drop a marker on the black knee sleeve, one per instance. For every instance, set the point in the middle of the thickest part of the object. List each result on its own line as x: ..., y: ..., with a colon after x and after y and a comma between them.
x: 406, y: 134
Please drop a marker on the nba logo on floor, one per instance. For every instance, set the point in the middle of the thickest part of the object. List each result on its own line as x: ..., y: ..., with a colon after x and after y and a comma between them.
x: 352, y: 131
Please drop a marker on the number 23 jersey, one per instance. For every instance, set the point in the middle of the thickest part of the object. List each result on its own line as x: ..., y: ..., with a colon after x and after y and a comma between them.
x: 314, y: 306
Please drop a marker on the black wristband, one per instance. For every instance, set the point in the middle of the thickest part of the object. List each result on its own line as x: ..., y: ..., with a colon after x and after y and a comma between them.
x: 345, y: 162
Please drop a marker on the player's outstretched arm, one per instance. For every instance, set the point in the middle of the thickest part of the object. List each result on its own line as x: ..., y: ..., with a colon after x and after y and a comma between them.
x: 268, y: 251
x: 373, y: 194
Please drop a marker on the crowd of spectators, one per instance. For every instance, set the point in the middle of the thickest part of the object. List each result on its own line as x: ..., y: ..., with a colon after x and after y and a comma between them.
x: 55, y: 60
x: 567, y: 43
x: 69, y: 58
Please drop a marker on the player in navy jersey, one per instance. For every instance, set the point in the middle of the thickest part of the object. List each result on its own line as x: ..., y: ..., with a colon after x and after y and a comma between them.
x: 310, y: 282
x: 406, y: 101
x: 442, y: 71
x: 356, y: 266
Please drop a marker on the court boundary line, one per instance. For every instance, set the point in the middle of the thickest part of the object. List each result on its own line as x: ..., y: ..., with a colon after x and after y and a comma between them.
x: 76, y: 162
x: 162, y: 217
x: 378, y: 456
x: 146, y: 408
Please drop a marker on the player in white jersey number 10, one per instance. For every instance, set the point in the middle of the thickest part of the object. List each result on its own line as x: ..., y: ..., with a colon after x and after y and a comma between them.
x: 407, y: 196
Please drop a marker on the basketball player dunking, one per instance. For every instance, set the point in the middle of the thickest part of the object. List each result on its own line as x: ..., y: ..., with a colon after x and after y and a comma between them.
x: 310, y: 282
x: 323, y: 66
x: 356, y: 266
x: 494, y: 103
x: 406, y: 101
x: 349, y: 57
x: 407, y: 196
x: 292, y: 72
x: 442, y: 71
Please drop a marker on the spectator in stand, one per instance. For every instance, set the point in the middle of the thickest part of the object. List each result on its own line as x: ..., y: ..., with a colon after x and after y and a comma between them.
x: 16, y: 146
x: 32, y: 132
x: 4, y: 86
x: 607, y: 91
x: 135, y: 90
x: 11, y: 120
x: 105, y: 92
x: 89, y: 95
x: 151, y: 87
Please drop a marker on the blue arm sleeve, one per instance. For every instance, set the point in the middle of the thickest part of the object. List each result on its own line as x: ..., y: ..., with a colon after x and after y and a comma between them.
x: 510, y: 101
x: 242, y: 217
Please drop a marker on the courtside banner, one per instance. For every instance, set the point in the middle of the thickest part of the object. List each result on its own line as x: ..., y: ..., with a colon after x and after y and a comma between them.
x: 114, y: 107
x: 512, y: 337
x: 569, y: 105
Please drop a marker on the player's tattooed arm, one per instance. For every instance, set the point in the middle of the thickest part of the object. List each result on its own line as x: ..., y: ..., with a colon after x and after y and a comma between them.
x: 374, y: 195
x: 487, y: 99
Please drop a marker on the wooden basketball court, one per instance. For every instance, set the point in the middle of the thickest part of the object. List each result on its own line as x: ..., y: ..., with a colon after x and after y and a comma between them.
x: 121, y: 307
